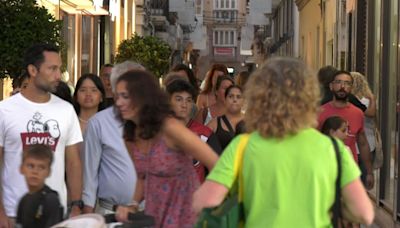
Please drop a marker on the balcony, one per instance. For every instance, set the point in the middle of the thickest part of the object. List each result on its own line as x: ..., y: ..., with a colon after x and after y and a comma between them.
x: 184, y: 14
x: 157, y: 17
x: 223, y: 17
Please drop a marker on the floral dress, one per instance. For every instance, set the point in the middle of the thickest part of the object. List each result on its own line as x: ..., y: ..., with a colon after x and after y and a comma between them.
x: 170, y: 181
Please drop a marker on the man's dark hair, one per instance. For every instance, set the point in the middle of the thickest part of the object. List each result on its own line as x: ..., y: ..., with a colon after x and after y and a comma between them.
x: 34, y: 54
x: 342, y: 72
x: 180, y: 85
x: 326, y: 75
x: 39, y: 152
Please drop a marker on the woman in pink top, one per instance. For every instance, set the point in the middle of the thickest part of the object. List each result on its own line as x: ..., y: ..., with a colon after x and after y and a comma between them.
x: 162, y: 150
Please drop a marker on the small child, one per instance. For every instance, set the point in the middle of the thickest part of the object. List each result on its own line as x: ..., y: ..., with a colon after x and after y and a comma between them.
x: 40, y: 207
x: 335, y: 126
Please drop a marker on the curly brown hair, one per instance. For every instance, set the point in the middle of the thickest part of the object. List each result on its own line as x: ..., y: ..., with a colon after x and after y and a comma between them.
x: 282, y: 98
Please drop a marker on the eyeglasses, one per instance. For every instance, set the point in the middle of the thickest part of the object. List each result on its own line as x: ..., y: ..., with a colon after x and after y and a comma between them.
x: 344, y: 83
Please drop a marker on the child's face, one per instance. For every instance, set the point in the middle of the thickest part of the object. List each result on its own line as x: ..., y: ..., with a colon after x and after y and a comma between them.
x: 340, y: 133
x: 35, y: 171
x: 182, y: 103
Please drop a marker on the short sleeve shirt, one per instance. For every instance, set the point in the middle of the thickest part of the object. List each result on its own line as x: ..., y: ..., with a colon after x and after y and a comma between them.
x: 354, y: 118
x: 23, y: 123
x: 291, y: 177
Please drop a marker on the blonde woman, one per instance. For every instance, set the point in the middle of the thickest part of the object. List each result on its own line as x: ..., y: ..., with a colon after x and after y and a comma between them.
x: 362, y: 91
x: 289, y: 168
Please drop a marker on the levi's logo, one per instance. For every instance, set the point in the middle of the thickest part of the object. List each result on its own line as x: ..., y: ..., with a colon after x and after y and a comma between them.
x: 41, y: 132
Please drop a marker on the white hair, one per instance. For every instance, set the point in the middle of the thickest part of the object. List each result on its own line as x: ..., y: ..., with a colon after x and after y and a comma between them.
x: 121, y: 68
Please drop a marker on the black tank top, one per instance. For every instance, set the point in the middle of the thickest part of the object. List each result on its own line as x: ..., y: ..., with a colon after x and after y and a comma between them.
x: 224, y: 137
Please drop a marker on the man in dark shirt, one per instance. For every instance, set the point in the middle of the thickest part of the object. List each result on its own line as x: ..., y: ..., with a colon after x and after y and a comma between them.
x: 41, y: 206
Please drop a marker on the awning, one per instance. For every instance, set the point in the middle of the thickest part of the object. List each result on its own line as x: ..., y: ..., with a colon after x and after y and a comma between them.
x: 85, y: 7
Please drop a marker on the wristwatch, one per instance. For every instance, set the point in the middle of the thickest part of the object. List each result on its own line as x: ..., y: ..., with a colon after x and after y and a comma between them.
x: 78, y: 203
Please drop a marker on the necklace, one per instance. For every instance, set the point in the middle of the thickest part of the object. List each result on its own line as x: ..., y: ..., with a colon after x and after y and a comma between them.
x: 83, y: 121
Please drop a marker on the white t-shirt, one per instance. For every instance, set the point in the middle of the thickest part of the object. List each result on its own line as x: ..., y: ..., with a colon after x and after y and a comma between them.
x: 23, y: 122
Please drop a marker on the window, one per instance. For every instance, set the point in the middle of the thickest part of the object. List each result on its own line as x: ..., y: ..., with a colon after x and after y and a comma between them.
x: 224, y: 38
x: 225, y: 4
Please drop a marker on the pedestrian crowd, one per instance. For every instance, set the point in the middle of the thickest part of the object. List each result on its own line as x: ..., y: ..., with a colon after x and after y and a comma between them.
x: 122, y: 143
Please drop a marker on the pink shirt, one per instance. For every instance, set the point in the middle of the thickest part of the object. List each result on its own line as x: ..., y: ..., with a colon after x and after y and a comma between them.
x: 353, y: 115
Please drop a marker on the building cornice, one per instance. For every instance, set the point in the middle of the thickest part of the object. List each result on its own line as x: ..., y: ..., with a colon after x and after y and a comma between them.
x: 301, y: 3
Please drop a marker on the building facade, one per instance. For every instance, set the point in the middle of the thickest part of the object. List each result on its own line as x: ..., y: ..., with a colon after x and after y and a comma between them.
x: 92, y: 31
x: 285, y: 29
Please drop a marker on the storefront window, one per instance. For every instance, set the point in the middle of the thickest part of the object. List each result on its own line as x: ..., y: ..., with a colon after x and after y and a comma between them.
x: 68, y: 34
x: 89, y: 44
x: 374, y: 76
x: 389, y: 79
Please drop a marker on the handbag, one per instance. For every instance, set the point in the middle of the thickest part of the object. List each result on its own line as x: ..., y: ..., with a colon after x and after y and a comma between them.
x: 231, y: 212
x: 378, y: 158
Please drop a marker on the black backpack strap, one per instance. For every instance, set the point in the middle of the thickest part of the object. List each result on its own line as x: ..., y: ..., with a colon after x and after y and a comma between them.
x: 337, y: 207
x: 46, y: 190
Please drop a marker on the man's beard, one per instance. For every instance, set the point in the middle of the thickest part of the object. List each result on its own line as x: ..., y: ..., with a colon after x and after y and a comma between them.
x: 51, y: 88
x: 341, y: 97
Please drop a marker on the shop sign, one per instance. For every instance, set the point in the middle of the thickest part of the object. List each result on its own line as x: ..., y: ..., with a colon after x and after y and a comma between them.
x: 224, y: 51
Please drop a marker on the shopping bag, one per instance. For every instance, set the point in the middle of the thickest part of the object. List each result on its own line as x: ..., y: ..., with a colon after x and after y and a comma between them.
x: 231, y: 212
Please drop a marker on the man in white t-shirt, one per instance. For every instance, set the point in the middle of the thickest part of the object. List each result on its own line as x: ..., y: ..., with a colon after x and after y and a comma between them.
x: 35, y: 116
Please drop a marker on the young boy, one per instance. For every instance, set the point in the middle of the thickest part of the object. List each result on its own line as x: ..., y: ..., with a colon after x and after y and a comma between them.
x: 41, y: 206
x: 182, y: 95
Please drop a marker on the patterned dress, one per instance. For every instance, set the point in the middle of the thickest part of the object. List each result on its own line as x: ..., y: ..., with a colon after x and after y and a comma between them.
x: 169, y: 185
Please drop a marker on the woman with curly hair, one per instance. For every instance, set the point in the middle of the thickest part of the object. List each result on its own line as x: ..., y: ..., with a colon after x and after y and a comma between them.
x: 162, y: 150
x: 362, y: 91
x: 289, y: 168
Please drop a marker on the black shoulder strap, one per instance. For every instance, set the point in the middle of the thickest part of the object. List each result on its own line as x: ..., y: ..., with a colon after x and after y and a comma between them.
x: 226, y: 121
x: 337, y: 207
x: 204, y: 113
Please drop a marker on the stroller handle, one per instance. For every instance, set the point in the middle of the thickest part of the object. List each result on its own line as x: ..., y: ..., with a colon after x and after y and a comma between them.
x: 138, y: 219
